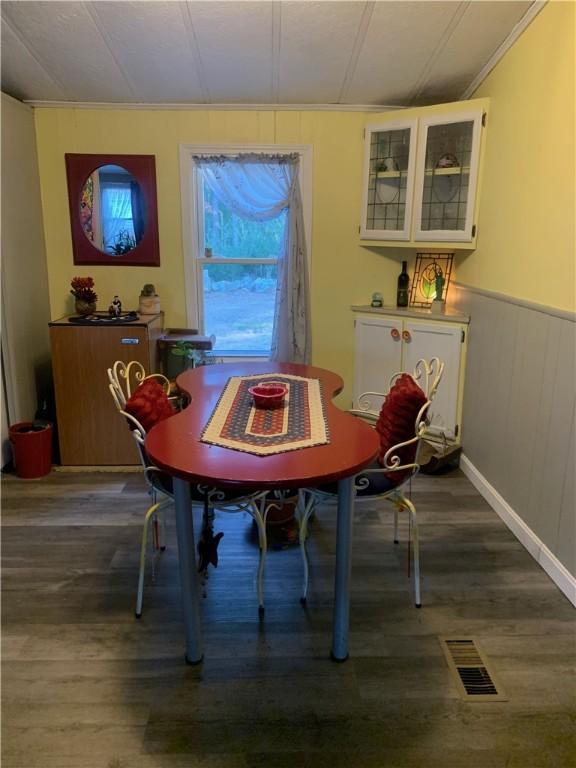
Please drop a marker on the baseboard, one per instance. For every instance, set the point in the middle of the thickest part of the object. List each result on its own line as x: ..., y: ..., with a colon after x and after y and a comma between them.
x: 539, y: 551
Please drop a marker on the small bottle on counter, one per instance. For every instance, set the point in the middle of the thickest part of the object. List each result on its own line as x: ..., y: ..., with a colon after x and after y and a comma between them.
x: 403, y: 283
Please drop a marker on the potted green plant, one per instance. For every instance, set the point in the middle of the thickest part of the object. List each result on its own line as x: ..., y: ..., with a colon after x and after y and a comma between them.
x: 192, y: 357
x: 149, y: 300
x: 123, y: 243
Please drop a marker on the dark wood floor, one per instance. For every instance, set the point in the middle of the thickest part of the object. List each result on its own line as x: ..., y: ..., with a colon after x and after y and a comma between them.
x: 85, y: 685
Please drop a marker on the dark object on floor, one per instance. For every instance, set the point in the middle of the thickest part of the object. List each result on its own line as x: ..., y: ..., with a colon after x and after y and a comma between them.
x: 438, y: 459
x: 208, y: 549
x: 31, y: 448
x: 281, y: 524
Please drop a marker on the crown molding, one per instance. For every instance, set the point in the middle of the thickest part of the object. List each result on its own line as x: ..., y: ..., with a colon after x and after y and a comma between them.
x: 504, y: 47
x: 214, y: 107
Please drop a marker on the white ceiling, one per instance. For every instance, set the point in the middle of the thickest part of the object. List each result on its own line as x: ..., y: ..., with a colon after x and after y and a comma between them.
x: 243, y: 52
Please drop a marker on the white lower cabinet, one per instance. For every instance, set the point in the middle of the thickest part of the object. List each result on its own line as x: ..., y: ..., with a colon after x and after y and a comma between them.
x: 388, y: 343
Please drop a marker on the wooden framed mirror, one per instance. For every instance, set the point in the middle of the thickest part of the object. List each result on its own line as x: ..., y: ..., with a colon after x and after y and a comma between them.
x: 113, y: 209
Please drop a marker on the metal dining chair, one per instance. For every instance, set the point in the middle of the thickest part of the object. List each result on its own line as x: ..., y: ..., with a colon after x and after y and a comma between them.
x: 123, y: 381
x: 390, y: 476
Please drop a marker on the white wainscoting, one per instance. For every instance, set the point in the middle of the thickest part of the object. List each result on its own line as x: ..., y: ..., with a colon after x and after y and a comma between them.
x: 518, y: 426
x: 525, y: 535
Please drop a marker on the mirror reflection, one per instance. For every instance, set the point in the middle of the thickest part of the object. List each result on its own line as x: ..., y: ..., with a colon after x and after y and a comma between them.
x: 113, y: 210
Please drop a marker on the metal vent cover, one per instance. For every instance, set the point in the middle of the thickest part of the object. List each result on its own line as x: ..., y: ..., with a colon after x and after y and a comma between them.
x: 473, y: 674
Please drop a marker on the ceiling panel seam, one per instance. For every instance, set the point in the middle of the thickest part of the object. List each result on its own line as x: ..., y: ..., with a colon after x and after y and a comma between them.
x: 195, y: 50
x: 356, y: 50
x: 20, y: 37
x: 97, y: 21
x: 276, y: 45
x: 448, y: 32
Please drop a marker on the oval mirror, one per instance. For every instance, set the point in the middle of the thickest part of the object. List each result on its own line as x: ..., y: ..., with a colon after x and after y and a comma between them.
x: 113, y: 210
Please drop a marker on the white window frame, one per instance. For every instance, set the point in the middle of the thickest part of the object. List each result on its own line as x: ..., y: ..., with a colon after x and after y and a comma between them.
x: 192, y: 225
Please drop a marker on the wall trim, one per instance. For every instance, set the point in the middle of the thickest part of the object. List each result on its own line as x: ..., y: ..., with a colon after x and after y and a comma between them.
x: 193, y: 107
x: 559, y: 574
x: 563, y: 314
x: 504, y: 47
x: 15, y: 102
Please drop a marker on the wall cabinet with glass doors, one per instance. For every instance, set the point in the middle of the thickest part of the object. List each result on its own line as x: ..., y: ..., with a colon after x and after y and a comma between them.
x: 421, y: 176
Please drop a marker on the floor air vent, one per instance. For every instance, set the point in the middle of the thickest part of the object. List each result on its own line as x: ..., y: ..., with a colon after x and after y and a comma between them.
x: 474, y: 677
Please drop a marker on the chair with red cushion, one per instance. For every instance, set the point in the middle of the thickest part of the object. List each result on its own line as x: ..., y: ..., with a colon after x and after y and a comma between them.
x: 144, y: 401
x: 401, y: 424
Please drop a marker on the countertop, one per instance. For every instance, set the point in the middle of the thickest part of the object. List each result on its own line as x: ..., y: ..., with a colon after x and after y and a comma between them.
x: 449, y: 316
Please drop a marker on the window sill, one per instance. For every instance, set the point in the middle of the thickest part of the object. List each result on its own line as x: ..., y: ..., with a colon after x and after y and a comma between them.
x: 240, y: 357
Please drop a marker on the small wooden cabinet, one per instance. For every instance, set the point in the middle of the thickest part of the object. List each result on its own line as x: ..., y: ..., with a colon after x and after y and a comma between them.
x: 421, y: 172
x: 90, y: 430
x: 390, y: 340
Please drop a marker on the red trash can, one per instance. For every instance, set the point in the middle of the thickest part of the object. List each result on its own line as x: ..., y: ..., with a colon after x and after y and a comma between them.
x: 31, y: 448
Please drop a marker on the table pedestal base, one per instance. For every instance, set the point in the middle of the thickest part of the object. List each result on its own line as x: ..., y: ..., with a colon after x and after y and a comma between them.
x: 188, y: 572
x: 345, y: 521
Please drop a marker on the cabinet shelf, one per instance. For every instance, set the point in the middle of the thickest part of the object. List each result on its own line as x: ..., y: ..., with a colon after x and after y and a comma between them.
x: 455, y: 171
x: 389, y: 174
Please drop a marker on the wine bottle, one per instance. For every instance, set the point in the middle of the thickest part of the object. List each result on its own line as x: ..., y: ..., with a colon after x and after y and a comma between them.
x: 403, y: 282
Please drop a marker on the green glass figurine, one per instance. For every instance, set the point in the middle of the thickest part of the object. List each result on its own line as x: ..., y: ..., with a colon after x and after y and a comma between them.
x: 439, y: 284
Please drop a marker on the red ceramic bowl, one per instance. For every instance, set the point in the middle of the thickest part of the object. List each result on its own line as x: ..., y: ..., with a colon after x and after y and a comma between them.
x: 268, y: 395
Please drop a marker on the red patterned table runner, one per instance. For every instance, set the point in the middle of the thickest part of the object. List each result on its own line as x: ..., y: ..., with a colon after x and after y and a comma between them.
x: 299, y: 423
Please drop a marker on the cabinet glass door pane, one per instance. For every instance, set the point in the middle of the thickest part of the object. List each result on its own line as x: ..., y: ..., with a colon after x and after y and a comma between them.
x: 387, y: 180
x: 445, y: 192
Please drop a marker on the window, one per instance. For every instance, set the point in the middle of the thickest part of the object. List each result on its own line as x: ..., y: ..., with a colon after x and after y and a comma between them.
x: 237, y: 276
x: 236, y: 223
x: 117, y: 227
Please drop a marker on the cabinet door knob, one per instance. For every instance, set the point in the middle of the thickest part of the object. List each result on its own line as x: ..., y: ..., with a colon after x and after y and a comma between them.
x: 406, y: 336
x: 395, y: 333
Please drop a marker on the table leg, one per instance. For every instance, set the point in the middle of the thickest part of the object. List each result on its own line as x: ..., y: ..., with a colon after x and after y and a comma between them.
x: 188, y: 575
x: 341, y: 617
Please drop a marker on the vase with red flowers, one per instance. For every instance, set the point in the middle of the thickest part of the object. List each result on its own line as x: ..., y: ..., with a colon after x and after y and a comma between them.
x: 83, y: 292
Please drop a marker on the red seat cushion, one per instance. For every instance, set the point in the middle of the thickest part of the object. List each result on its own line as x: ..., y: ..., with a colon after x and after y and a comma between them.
x: 149, y: 404
x: 397, y: 421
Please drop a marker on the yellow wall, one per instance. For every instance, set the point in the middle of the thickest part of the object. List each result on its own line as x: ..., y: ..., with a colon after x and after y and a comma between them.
x: 526, y: 222
x: 25, y: 308
x: 342, y: 272
x: 525, y: 244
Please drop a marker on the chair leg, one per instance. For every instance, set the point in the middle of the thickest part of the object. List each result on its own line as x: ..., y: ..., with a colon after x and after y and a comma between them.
x: 396, y: 511
x: 416, y: 546
x: 149, y: 514
x: 162, y: 531
x: 258, y: 514
x: 305, y: 510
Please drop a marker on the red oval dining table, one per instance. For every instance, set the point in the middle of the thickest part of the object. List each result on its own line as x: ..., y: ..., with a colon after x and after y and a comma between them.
x: 175, y: 446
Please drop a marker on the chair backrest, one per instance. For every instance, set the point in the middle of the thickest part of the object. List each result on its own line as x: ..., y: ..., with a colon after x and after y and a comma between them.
x: 124, y: 378
x: 427, y: 375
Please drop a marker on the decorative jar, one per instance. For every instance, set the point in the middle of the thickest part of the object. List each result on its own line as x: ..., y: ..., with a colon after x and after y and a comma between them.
x: 85, y: 307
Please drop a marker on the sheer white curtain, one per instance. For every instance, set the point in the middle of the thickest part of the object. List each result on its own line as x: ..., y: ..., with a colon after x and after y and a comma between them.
x: 116, y: 212
x: 258, y: 187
